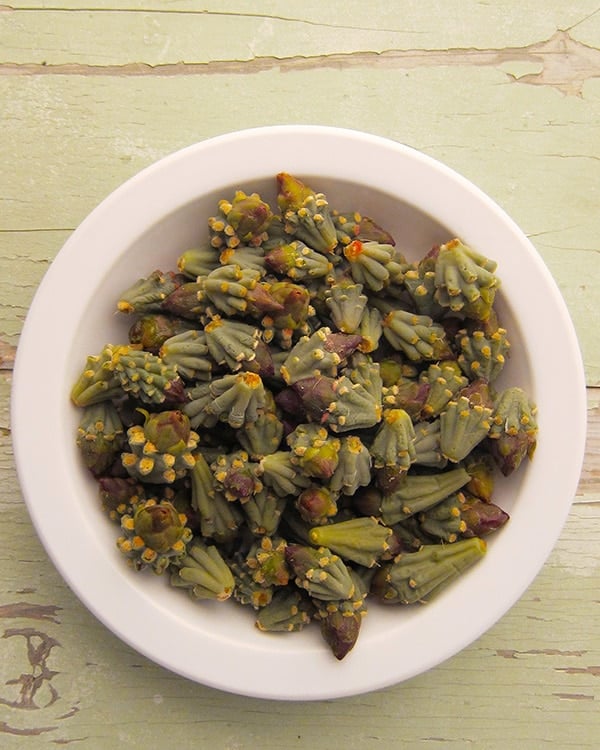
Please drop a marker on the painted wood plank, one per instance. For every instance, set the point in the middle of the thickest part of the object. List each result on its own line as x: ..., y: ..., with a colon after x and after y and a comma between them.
x: 509, y: 95
x: 532, y: 148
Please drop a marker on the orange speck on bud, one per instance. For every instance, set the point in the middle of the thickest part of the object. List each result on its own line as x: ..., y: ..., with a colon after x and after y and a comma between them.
x: 353, y: 250
x: 251, y: 379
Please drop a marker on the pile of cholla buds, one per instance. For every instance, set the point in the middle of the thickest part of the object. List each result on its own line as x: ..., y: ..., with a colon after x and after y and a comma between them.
x: 302, y: 419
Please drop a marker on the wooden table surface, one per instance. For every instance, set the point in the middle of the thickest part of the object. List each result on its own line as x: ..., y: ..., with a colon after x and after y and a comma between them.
x: 508, y: 93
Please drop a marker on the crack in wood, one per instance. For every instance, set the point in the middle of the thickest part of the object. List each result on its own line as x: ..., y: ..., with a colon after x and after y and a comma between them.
x: 574, y: 696
x: 566, y: 63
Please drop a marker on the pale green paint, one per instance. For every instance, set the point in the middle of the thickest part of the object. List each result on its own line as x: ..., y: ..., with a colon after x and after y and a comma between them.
x: 71, y: 135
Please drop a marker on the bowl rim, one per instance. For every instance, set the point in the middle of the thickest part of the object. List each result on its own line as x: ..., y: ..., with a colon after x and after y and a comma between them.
x: 437, y: 190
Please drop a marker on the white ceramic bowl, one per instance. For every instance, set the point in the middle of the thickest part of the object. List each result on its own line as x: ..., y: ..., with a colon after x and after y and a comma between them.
x: 144, y: 225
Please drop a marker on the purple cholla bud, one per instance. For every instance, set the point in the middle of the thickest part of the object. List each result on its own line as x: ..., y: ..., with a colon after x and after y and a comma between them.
x: 185, y: 302
x: 482, y: 518
x: 236, y: 476
x: 316, y: 394
x: 261, y: 302
x: 152, y: 330
x: 316, y: 505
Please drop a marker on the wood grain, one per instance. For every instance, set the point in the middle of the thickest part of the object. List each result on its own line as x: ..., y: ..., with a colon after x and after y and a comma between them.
x: 506, y: 93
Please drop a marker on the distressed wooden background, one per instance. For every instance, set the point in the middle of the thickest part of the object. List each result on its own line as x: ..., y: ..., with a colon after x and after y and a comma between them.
x: 508, y: 93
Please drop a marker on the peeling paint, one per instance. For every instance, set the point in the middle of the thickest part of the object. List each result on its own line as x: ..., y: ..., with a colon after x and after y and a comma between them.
x: 7, y: 355
x: 592, y: 670
x: 560, y: 62
x: 30, y: 611
x: 38, y: 646
x: 510, y: 653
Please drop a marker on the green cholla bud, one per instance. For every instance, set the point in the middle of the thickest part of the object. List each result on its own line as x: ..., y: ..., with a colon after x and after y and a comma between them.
x: 289, y: 610
x: 419, y: 576
x: 263, y: 511
x: 354, y: 467
x: 100, y: 436
x: 444, y: 521
x: 244, y: 219
x: 227, y: 288
x: 322, y: 574
x: 482, y: 356
x: 417, y: 336
x: 231, y: 342
x: 361, y: 540
x: 346, y: 304
x: 154, y: 536
x: 298, y: 261
x: 514, y: 429
x: 445, y: 381
x: 278, y: 472
x: 161, y: 450
x: 266, y: 562
x: 219, y: 519
x: 146, y: 377
x: 427, y: 446
x: 237, y: 399
x: 199, y: 398
x: 147, y: 295
x: 198, y: 261
x: 262, y: 436
x: 245, y: 258
x: 98, y: 381
x: 169, y: 431
x: 394, y: 442
x: 417, y: 492
x: 203, y: 572
x: 306, y: 214
x: 247, y: 591
x: 187, y: 352
x: 371, y: 329
x: 314, y: 450
x: 353, y: 408
x: 463, y: 425
x: 420, y: 284
x: 371, y: 263
x: 363, y: 370
x: 465, y: 280
x: 236, y: 476
x: 311, y: 357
